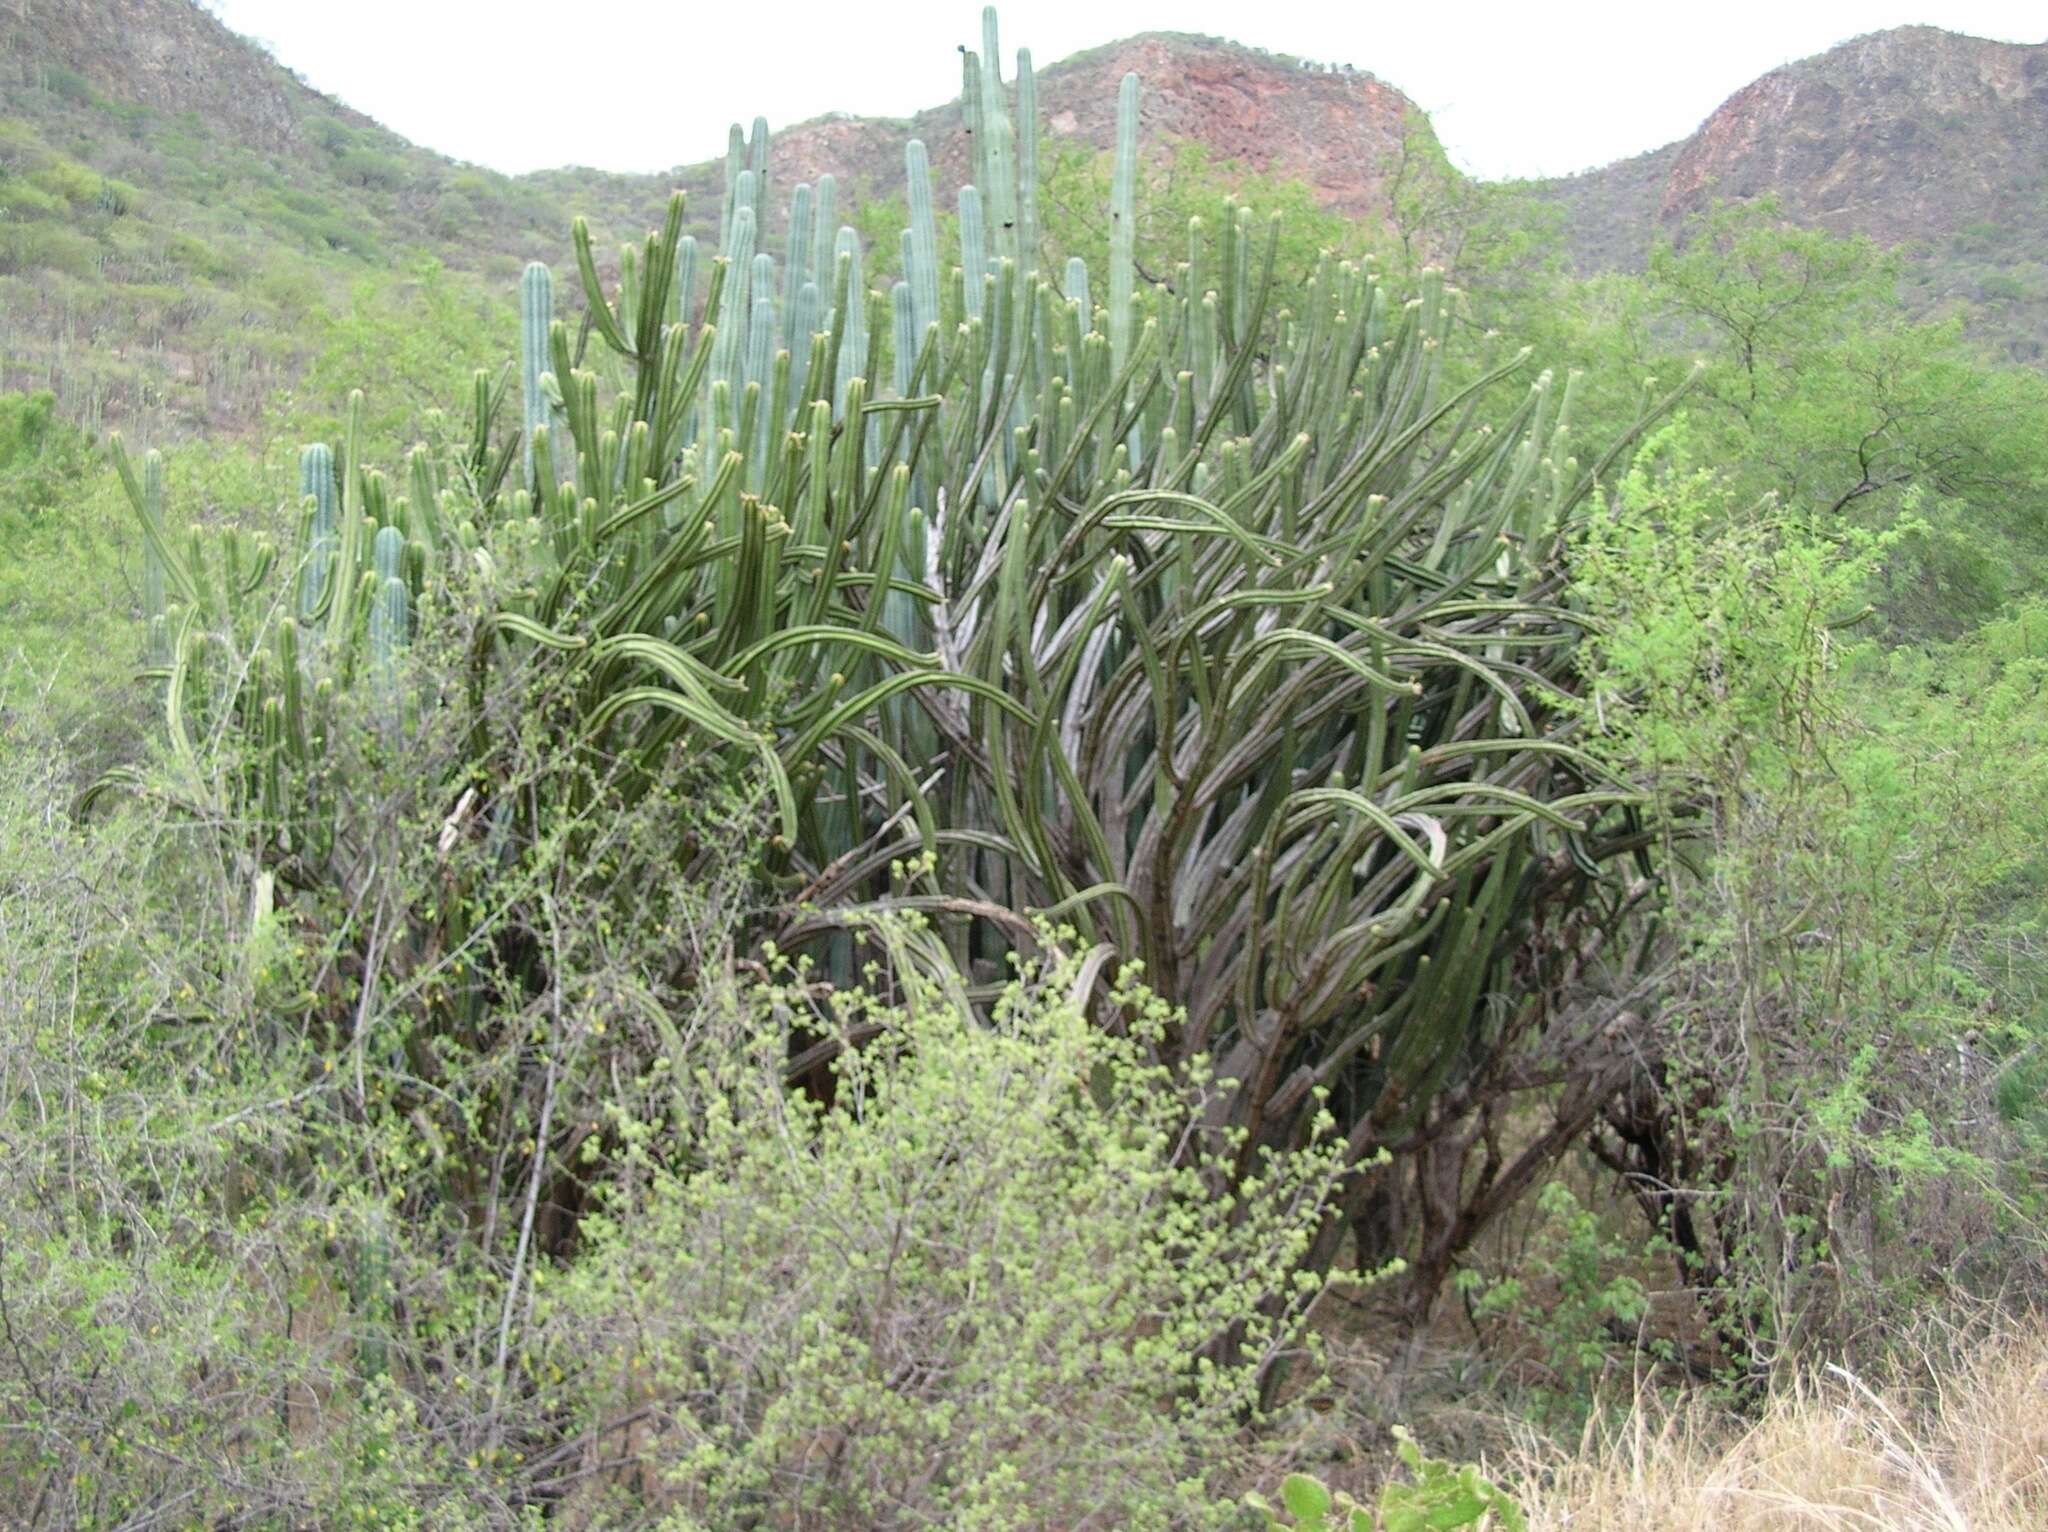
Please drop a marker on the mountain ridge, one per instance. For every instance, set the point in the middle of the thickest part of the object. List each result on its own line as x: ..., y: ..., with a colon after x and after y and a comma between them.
x: 174, y: 200
x: 1922, y: 139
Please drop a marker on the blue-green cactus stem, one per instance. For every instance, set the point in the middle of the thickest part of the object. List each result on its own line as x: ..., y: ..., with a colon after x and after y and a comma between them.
x: 853, y: 343
x: 387, y: 553
x: 316, y: 484
x: 153, y: 598
x: 973, y: 250
x: 536, y: 313
x: 1075, y: 289
x: 825, y: 207
x: 796, y: 259
x: 757, y: 162
x: 1123, y: 222
x: 686, y: 280
x: 903, y: 309
x: 922, y: 269
x: 735, y: 164
x: 802, y: 326
x: 1027, y: 165
x: 728, y: 353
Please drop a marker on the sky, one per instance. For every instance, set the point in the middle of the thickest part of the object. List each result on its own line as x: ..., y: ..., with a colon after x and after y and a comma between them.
x: 643, y: 85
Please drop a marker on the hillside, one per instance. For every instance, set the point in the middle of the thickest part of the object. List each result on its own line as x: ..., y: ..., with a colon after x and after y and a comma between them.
x: 175, y: 208
x: 181, y: 215
x: 176, y: 205
x: 1922, y: 139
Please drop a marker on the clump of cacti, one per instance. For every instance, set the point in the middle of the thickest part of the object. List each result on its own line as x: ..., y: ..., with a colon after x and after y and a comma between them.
x: 1230, y: 638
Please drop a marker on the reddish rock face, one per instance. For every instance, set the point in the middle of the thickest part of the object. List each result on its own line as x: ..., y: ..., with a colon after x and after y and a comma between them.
x: 1338, y: 131
x: 1901, y: 135
x: 1926, y: 141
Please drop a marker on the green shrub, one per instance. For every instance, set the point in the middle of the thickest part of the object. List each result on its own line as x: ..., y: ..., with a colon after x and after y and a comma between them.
x: 41, y: 454
x: 1438, y: 1497
x: 983, y: 1283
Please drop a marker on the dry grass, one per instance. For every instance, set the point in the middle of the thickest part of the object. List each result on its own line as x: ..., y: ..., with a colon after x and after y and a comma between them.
x: 1964, y: 1450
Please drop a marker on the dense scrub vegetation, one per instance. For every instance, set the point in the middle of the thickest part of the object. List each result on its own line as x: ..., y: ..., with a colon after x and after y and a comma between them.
x: 1019, y: 900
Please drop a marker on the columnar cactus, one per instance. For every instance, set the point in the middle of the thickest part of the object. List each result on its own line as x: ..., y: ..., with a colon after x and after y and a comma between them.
x: 921, y: 268
x: 796, y: 259
x: 852, y: 316
x: 536, y: 315
x: 1235, y: 644
x: 1028, y: 255
x: 316, y: 492
x: 973, y: 252
x: 154, y: 611
x: 1123, y: 222
x: 728, y: 356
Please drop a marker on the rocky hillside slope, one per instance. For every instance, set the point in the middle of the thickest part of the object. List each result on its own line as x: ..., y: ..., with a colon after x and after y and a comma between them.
x: 178, y: 210
x: 175, y: 205
x: 1922, y: 139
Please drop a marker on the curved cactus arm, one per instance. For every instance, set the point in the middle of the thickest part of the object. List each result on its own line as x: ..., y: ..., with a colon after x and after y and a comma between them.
x: 177, y: 573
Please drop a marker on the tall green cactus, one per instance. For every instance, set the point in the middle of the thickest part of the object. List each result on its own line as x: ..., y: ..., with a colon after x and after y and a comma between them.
x: 852, y: 318
x: 323, y: 516
x: 1005, y: 149
x: 154, y: 602
x: 536, y: 315
x: 728, y: 358
x: 1028, y: 253
x: 921, y: 266
x: 973, y: 251
x: 1123, y: 222
x: 1234, y: 644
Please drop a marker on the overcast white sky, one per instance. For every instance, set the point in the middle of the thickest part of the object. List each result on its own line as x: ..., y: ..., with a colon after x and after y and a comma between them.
x: 641, y: 85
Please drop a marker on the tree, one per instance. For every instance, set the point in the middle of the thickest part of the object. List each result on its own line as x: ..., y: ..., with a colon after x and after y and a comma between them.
x: 1819, y: 388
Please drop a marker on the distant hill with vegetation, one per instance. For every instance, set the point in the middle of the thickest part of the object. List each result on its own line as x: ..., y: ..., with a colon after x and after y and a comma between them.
x: 183, y: 219
x: 1925, y: 140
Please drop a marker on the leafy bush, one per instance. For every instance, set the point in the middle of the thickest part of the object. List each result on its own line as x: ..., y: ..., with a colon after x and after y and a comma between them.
x: 1810, y: 1130
x: 41, y: 454
x: 982, y: 1283
x: 1439, y: 1497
